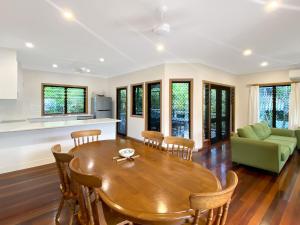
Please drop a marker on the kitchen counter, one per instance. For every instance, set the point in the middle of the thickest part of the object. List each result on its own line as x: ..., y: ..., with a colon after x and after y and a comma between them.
x: 26, y: 125
x: 28, y: 144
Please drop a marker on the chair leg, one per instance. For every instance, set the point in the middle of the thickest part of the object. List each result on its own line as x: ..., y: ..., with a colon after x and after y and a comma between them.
x: 61, y: 204
x: 73, y: 211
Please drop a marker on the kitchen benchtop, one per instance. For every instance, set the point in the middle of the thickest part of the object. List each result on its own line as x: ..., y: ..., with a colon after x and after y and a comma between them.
x: 27, y: 126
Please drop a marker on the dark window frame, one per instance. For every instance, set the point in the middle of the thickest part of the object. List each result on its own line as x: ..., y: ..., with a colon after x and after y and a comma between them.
x: 273, y: 99
x: 65, y: 99
x: 147, y: 99
x: 133, y: 100
x: 118, y: 89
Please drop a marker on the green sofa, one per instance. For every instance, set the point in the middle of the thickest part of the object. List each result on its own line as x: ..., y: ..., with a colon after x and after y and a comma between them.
x: 263, y: 147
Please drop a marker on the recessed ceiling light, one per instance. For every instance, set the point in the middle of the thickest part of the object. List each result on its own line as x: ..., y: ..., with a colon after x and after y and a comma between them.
x: 247, y: 52
x: 29, y: 45
x: 160, y: 47
x: 68, y: 15
x: 272, y: 5
x: 264, y: 64
x: 101, y: 59
x: 87, y: 70
x: 54, y: 65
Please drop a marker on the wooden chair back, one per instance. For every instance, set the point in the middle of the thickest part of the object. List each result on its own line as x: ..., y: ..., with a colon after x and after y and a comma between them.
x: 62, y: 162
x: 153, y: 138
x: 214, y: 201
x: 87, y: 197
x: 181, y: 147
x: 85, y: 136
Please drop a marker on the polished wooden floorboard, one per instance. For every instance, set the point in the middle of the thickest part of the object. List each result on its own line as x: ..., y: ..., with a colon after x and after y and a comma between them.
x: 32, y: 196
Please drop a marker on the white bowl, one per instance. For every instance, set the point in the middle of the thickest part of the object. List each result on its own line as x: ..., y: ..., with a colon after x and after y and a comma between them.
x: 126, y: 152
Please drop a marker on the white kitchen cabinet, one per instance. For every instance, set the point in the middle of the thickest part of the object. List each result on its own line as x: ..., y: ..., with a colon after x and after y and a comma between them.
x: 8, y: 74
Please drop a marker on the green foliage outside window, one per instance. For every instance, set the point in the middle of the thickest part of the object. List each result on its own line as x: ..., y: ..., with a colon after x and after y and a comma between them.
x: 180, y: 107
x: 274, y: 105
x: 137, y: 98
x: 63, y: 100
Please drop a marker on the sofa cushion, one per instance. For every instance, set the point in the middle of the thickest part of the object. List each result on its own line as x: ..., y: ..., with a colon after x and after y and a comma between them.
x: 260, y: 131
x: 284, y: 153
x: 266, y: 127
x: 291, y: 142
x: 247, y: 132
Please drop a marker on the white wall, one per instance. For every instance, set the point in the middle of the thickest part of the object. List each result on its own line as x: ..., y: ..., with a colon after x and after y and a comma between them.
x: 242, y: 107
x: 28, y: 104
x: 135, y: 124
x: 165, y: 72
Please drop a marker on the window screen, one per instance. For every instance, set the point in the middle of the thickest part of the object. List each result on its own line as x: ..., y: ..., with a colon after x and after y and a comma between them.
x: 137, y: 100
x: 63, y: 99
x: 274, y: 105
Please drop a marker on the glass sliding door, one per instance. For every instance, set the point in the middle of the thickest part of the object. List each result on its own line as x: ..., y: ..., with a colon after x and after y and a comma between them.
x: 122, y: 111
x: 218, y: 112
x: 181, y: 108
x: 153, y: 102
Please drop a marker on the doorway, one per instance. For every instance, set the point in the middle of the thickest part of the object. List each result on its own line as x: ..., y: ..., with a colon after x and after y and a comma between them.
x: 122, y: 111
x: 218, y: 112
x: 153, y: 106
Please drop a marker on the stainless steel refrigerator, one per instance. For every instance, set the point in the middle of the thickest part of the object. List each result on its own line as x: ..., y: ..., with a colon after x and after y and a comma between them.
x: 102, y: 106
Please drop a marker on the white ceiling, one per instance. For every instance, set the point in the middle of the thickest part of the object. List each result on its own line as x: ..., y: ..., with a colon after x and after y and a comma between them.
x: 212, y: 32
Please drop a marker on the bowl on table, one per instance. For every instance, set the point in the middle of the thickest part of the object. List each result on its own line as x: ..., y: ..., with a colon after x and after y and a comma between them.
x: 126, y: 152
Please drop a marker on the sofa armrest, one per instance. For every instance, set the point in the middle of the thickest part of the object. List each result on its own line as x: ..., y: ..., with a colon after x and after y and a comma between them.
x: 283, y: 132
x: 256, y: 153
x: 297, y: 133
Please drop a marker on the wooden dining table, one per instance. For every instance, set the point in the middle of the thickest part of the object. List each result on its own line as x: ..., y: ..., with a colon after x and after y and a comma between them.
x: 154, y: 188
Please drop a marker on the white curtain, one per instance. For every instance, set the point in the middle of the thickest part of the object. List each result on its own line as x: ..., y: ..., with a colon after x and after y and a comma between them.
x: 294, y: 108
x: 254, y: 104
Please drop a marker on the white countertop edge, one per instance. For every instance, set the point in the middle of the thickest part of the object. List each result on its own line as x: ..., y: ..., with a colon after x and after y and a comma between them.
x: 27, y: 126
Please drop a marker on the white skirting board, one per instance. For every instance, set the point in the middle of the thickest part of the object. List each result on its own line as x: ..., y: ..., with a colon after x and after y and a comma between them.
x: 25, y: 149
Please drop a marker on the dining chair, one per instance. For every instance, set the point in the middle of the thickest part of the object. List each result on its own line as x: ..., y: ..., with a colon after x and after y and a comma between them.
x: 179, y: 146
x: 66, y: 185
x: 85, y: 136
x: 213, y: 201
x: 92, y: 210
x: 153, y: 138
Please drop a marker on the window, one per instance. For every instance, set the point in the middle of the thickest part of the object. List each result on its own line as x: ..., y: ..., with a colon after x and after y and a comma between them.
x: 181, y: 108
x: 274, y: 105
x: 153, y: 106
x: 59, y: 99
x: 122, y: 110
x: 137, y: 95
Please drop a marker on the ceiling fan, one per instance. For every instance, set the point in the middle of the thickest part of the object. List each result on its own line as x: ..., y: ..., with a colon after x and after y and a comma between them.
x: 163, y: 27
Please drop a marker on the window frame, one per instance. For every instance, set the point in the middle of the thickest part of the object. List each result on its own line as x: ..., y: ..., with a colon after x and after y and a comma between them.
x: 191, y: 97
x: 132, y: 100
x: 43, y: 85
x: 118, y: 110
x: 146, y: 102
x: 273, y: 86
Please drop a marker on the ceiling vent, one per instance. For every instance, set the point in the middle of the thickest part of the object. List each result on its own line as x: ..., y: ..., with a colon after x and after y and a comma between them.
x: 294, y: 75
